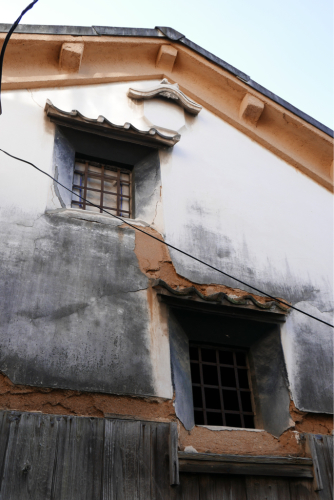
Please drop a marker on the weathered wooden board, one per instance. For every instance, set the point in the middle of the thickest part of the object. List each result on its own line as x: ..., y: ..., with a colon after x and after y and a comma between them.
x: 173, y: 457
x: 322, y: 453
x: 246, y: 469
x: 302, y: 489
x: 4, y: 433
x: 188, y: 488
x: 246, y: 465
x: 269, y: 488
x: 50, y: 457
x: 255, y: 459
x: 222, y: 487
x: 225, y: 487
x: 27, y: 470
x: 78, y: 458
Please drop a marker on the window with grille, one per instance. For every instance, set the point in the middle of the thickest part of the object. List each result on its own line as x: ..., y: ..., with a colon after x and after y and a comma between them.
x: 221, y: 388
x: 106, y: 186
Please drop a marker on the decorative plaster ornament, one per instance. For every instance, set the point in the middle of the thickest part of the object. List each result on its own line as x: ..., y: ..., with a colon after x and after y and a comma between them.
x: 169, y: 90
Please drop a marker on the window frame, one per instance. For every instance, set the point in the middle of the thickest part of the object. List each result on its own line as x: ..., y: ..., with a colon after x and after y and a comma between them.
x: 220, y: 387
x: 269, y: 382
x: 104, y: 167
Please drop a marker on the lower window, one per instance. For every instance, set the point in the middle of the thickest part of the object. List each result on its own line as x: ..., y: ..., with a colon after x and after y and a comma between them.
x: 221, y: 388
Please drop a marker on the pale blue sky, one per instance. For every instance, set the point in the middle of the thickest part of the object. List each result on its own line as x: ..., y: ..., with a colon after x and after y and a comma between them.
x: 285, y: 46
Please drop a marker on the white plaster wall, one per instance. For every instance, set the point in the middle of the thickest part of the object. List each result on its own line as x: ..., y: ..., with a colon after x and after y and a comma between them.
x: 25, y: 133
x: 28, y: 133
x: 226, y: 199
x: 235, y: 205
x: 270, y: 222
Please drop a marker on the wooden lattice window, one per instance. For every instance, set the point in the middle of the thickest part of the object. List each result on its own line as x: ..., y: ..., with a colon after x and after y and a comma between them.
x: 106, y: 186
x: 221, y: 387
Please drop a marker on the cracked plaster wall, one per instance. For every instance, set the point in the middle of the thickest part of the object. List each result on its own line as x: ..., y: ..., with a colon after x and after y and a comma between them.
x: 225, y: 199
x: 147, y: 191
x: 74, y: 309
x: 235, y: 205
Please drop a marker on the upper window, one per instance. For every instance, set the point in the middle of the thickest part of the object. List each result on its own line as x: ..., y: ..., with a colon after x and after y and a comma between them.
x: 122, y: 174
x: 221, y: 388
x: 107, y: 186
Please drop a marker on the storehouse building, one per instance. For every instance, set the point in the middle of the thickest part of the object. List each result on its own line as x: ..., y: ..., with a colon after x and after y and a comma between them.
x: 129, y: 369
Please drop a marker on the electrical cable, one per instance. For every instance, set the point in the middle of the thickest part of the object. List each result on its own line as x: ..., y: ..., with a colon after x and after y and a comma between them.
x: 9, y: 34
x: 169, y: 245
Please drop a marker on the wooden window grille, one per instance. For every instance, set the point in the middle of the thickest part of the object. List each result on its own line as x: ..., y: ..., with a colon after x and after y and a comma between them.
x: 221, y: 387
x: 106, y: 186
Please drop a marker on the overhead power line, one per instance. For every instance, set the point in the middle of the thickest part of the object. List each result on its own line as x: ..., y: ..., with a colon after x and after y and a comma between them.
x: 9, y: 34
x: 169, y: 245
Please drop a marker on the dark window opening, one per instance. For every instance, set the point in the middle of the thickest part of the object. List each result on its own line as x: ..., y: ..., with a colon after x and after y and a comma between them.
x: 107, y: 186
x: 221, y: 390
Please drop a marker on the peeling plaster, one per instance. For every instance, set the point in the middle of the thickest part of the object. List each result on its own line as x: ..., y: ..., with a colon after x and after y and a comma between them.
x: 69, y: 402
x: 219, y: 428
x: 241, y: 442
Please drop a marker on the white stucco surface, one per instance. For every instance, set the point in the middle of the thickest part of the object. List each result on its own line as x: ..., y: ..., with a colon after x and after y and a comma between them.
x: 225, y: 199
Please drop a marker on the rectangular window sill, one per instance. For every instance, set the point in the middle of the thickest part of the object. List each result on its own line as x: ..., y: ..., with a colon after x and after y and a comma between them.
x: 87, y: 215
x: 225, y: 428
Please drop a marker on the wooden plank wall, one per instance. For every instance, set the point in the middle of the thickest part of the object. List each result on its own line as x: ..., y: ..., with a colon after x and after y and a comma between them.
x: 225, y: 487
x: 321, y: 448
x: 50, y: 457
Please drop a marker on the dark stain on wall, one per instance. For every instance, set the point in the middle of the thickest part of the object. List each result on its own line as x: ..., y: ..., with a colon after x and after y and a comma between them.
x: 63, y: 158
x: 146, y: 187
x: 311, y: 347
x: 180, y: 362
x: 76, y: 313
x: 313, y: 370
x: 270, y: 383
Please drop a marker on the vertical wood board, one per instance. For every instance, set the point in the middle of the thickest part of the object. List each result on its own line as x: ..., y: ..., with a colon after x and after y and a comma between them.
x: 50, y: 457
x: 322, y: 454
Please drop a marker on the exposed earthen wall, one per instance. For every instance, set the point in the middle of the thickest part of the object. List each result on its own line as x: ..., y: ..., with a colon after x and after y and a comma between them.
x: 204, y: 440
x: 154, y: 261
x: 314, y: 423
x: 248, y: 442
x: 66, y: 402
x: 241, y: 442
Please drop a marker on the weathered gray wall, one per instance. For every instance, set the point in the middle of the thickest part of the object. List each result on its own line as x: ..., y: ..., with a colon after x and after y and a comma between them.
x: 270, y: 384
x: 236, y: 206
x: 225, y: 199
x: 179, y: 352
x: 311, y: 372
x: 146, y: 187
x: 64, y: 158
x: 74, y: 310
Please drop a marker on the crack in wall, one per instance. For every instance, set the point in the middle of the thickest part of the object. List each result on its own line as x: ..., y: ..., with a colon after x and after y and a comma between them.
x: 56, y: 189
x: 32, y: 97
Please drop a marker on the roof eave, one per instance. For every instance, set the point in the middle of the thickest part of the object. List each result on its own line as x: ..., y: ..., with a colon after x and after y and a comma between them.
x: 173, y: 35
